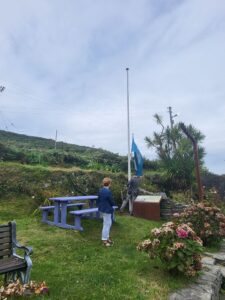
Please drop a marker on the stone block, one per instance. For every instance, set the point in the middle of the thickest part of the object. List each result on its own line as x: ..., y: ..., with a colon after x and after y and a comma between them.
x: 208, y: 260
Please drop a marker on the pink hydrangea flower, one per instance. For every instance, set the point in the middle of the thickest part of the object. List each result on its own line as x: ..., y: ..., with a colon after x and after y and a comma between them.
x: 182, y: 233
x: 156, y: 231
x: 178, y: 245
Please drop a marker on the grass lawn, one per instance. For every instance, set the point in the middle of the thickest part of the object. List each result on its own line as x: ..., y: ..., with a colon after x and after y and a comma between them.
x: 75, y: 265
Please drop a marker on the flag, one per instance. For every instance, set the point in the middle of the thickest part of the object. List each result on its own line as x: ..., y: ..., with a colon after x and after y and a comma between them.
x: 138, y: 160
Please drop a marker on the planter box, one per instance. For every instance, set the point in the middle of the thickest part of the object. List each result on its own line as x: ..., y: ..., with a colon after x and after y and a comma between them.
x: 147, y: 207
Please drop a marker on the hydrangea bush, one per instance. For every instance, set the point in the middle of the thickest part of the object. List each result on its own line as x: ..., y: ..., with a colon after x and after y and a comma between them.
x: 207, y: 221
x: 177, y: 246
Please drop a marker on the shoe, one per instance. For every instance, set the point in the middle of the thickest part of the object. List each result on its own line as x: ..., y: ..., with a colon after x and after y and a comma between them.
x: 106, y: 244
x: 110, y: 241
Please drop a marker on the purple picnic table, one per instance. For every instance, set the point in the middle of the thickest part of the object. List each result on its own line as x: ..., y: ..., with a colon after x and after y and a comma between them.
x: 60, y: 210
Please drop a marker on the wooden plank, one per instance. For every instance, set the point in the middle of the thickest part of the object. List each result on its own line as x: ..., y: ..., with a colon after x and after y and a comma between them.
x: 5, y: 252
x: 5, y: 246
x: 4, y: 228
x: 5, y: 240
x: 10, y: 264
x: 5, y: 225
x: 5, y: 234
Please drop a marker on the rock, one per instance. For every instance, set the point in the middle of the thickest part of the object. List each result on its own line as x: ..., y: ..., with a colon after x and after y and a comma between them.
x: 208, y: 260
x: 206, y: 286
x: 222, y: 269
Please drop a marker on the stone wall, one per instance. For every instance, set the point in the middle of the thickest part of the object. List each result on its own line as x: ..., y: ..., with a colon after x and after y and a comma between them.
x: 168, y: 207
x: 207, y: 285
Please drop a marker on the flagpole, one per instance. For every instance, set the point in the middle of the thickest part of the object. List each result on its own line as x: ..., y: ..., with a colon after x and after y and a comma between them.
x: 128, y: 127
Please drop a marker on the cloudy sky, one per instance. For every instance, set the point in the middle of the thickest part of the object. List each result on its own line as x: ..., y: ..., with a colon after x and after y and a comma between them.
x: 63, y: 65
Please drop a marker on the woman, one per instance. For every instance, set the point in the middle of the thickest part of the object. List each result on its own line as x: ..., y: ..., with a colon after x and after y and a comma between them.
x: 105, y: 206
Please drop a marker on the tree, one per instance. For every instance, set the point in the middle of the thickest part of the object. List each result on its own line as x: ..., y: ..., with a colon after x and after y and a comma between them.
x: 175, y: 153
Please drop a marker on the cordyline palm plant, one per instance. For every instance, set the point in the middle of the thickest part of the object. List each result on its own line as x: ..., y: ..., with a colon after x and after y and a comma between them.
x: 175, y: 153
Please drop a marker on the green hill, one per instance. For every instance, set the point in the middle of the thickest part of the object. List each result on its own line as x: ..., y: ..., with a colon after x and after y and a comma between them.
x: 36, y: 150
x: 22, y: 154
x: 32, y: 166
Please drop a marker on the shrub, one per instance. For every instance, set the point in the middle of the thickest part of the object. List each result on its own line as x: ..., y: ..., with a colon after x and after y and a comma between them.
x: 177, y: 246
x: 207, y: 221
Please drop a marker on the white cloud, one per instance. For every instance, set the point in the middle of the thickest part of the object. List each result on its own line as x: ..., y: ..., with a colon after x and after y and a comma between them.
x: 63, y: 65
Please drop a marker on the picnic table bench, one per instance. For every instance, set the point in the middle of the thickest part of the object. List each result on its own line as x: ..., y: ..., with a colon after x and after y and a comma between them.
x: 12, y: 265
x: 79, y: 205
x: 45, y: 212
x: 47, y: 209
x: 78, y: 214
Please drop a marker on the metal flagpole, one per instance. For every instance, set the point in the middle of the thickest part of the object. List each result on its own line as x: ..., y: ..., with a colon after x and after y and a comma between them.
x: 128, y: 127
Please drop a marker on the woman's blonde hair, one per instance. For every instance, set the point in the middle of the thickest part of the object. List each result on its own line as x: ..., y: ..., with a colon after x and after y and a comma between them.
x: 106, y: 181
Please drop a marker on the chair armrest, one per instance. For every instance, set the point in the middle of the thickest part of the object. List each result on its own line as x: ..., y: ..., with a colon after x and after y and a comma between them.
x: 16, y: 245
x: 27, y: 250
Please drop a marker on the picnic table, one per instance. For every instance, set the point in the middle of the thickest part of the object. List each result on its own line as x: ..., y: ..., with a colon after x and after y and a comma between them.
x: 61, y: 206
x: 60, y: 210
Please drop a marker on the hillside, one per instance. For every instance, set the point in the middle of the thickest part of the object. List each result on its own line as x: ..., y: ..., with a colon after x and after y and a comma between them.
x: 32, y: 166
x: 36, y: 152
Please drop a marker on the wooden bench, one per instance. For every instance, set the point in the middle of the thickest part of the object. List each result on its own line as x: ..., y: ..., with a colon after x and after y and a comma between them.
x: 78, y: 214
x: 12, y: 265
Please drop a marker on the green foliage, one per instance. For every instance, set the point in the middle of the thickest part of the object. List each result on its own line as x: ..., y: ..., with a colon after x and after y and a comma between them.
x: 9, y: 154
x: 175, y: 154
x: 39, y: 152
x: 42, y: 182
x: 177, y: 246
x: 206, y: 220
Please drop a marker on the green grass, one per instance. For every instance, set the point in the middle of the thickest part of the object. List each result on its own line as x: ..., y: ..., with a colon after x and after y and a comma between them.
x: 76, y: 266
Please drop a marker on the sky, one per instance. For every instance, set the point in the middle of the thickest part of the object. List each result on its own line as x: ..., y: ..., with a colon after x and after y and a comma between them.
x: 63, y: 65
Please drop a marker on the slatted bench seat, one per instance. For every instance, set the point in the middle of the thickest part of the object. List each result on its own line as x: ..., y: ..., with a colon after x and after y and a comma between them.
x: 13, y: 266
x: 78, y: 214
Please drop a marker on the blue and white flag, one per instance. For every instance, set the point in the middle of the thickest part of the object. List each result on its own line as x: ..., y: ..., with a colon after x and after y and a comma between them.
x: 138, y: 160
